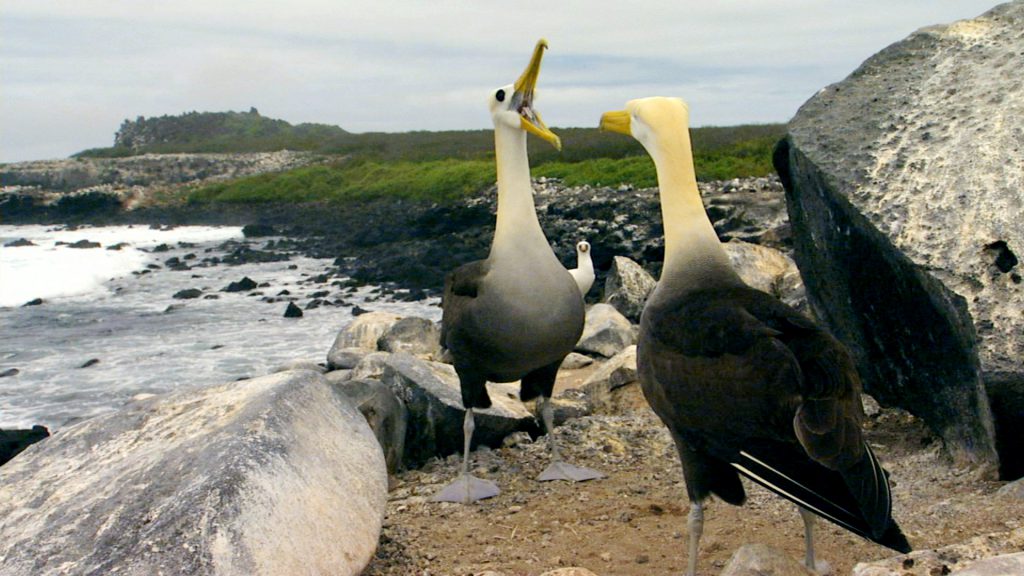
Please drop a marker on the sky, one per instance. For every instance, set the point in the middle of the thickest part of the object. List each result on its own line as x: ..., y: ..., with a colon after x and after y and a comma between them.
x: 72, y: 70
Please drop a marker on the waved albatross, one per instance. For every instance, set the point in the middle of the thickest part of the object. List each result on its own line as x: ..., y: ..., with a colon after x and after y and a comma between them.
x: 583, y: 273
x: 744, y: 383
x: 517, y: 314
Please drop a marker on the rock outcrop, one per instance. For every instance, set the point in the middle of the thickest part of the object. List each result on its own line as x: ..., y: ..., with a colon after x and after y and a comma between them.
x: 274, y: 475
x: 903, y: 185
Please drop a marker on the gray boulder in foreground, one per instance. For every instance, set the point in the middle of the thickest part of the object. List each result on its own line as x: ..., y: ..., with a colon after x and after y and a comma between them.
x: 269, y: 476
x: 904, y: 183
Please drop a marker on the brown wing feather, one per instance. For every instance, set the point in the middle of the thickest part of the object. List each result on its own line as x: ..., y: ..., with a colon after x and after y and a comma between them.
x: 460, y: 286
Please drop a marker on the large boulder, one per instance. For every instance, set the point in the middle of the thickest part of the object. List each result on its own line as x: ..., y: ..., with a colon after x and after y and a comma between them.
x: 431, y: 393
x: 627, y: 287
x: 903, y: 184
x: 274, y: 475
x: 605, y: 331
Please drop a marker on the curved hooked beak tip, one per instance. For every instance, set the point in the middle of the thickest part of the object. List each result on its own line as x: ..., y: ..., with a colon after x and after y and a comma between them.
x: 616, y: 121
x: 529, y: 119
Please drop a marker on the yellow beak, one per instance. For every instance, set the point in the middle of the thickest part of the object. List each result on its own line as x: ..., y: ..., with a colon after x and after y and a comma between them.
x: 529, y: 119
x: 617, y: 121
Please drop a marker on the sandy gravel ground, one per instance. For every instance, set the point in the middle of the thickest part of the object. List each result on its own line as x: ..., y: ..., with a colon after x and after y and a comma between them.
x: 634, y: 521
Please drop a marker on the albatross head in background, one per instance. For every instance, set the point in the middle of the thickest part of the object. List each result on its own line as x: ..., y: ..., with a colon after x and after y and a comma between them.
x: 583, y: 273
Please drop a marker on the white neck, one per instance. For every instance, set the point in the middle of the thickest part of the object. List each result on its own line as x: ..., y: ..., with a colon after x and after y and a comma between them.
x: 584, y: 263
x: 517, y: 227
x: 694, y: 257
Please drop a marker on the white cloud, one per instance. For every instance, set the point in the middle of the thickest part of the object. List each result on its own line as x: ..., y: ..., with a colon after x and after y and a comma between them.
x: 73, y: 70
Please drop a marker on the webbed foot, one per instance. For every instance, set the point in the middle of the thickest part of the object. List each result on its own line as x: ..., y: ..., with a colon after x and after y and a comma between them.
x: 562, y: 470
x: 467, y: 489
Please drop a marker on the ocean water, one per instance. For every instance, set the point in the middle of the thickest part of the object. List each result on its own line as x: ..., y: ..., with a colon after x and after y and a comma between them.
x: 109, y: 328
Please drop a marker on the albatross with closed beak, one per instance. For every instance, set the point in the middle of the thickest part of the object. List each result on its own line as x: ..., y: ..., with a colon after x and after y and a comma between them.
x: 745, y: 384
x: 583, y: 273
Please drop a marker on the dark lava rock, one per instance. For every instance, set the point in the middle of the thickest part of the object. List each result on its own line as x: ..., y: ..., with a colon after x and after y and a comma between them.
x: 188, y: 294
x: 19, y: 243
x: 292, y: 311
x: 258, y: 230
x: 905, y: 204
x: 33, y: 302
x: 90, y: 362
x: 246, y: 255
x: 10, y: 372
x: 242, y: 285
x: 84, y: 244
x: 162, y: 248
x: 175, y: 263
x: 14, y: 441
x: 357, y: 311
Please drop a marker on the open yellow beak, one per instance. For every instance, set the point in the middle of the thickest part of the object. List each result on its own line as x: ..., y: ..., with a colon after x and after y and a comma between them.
x: 617, y: 121
x: 529, y: 119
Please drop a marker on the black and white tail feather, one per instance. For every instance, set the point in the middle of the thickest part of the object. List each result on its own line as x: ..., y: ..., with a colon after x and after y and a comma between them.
x: 857, y: 499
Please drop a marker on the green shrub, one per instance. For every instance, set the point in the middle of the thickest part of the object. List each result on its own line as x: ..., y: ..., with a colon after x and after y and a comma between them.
x: 435, y: 181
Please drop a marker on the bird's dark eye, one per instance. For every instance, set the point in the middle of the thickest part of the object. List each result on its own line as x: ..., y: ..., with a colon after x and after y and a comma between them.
x: 500, y: 95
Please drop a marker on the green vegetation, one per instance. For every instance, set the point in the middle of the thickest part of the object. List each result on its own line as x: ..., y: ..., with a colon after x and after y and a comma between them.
x: 433, y: 180
x: 427, y: 166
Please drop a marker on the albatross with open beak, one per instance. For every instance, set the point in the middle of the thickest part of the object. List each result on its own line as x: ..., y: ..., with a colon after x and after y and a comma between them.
x: 745, y: 384
x: 518, y: 313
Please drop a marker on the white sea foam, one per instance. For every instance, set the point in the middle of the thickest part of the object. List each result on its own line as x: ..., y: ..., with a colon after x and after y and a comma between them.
x: 50, y: 270
x: 74, y: 357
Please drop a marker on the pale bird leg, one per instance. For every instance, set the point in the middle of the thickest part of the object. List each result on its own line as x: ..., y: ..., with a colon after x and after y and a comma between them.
x: 695, y: 526
x: 467, y: 488
x: 560, y: 469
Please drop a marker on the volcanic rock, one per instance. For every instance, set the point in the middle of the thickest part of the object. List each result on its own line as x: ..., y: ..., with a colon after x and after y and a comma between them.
x: 903, y: 189
x: 273, y: 475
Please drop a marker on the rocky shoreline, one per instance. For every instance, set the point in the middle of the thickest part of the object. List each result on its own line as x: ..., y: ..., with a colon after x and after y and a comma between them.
x: 410, y: 244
